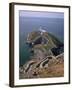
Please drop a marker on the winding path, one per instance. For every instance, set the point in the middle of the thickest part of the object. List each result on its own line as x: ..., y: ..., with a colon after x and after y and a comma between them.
x: 29, y: 65
x: 45, y: 61
x: 40, y: 64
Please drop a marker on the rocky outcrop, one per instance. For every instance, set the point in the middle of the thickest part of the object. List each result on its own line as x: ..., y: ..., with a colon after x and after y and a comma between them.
x: 49, y: 42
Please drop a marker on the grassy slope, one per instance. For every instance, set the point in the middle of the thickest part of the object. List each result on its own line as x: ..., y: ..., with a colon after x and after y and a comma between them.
x: 56, y: 70
x: 52, y: 40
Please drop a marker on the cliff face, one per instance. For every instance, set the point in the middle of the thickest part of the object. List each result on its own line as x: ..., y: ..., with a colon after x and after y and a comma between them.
x: 48, y: 36
x: 45, y: 40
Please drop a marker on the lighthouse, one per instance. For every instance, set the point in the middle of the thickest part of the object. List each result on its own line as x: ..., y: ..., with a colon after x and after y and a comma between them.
x: 42, y: 31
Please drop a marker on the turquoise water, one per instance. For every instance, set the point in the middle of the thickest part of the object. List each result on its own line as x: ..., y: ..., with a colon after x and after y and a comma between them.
x: 24, y: 53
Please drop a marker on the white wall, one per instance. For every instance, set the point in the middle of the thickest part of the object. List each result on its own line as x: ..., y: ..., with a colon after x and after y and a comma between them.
x: 4, y: 44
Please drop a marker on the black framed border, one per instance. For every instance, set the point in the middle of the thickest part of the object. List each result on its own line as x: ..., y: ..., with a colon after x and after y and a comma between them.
x: 12, y: 40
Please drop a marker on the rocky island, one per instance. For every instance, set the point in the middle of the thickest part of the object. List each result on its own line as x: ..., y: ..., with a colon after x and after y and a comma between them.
x: 47, y: 58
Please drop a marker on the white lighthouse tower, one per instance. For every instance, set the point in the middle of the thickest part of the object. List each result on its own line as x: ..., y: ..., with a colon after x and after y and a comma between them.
x: 42, y: 30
